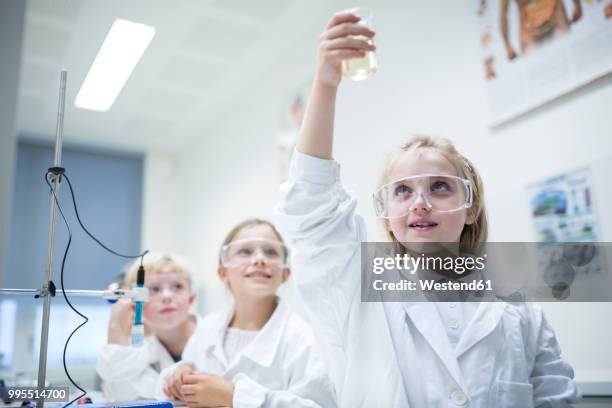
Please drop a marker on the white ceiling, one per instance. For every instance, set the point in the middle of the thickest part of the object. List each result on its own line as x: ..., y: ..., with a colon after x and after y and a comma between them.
x: 203, y: 55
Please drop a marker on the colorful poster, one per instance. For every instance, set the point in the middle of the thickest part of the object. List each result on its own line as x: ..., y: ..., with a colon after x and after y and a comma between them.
x: 563, y: 212
x: 562, y: 208
x: 536, y: 50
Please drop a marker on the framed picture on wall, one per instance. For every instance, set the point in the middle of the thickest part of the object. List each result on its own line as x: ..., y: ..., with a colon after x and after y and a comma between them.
x: 563, y: 214
x: 534, y: 51
x: 562, y: 208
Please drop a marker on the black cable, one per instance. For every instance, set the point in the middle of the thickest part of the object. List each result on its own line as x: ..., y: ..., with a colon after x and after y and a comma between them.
x: 76, y: 212
x: 60, y: 172
x: 59, y: 207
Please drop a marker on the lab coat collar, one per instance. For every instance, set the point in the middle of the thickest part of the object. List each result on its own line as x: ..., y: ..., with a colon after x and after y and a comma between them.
x: 427, y: 321
x: 212, y: 342
x: 486, y: 318
x: 263, y: 348
x: 260, y: 350
x: 483, y: 322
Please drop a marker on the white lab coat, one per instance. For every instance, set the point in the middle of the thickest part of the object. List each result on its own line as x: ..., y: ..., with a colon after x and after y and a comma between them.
x: 130, y: 373
x: 280, y: 367
x: 507, y: 355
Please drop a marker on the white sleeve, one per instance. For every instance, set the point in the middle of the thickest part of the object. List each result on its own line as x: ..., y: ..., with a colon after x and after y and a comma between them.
x: 126, y: 373
x: 309, y: 385
x: 551, y: 377
x: 317, y: 216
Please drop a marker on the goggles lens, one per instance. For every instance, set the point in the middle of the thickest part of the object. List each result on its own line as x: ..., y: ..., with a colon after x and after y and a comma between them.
x: 175, y: 288
x: 436, y: 192
x: 244, y: 251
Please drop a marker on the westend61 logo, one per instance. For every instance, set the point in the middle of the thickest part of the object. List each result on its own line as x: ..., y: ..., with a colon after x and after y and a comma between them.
x: 411, y: 264
x: 491, y: 271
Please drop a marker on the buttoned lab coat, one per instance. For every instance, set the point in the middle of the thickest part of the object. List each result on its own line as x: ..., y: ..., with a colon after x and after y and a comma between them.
x: 399, y: 354
x: 280, y: 367
x: 131, y: 373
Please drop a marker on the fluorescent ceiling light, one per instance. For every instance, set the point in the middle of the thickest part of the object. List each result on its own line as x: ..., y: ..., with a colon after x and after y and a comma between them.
x: 124, y: 45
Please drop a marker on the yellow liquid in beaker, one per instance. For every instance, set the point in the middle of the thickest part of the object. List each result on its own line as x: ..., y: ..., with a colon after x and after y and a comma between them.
x: 359, y: 69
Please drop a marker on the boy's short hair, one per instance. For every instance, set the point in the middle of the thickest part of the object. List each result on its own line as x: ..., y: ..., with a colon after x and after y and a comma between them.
x: 155, y: 263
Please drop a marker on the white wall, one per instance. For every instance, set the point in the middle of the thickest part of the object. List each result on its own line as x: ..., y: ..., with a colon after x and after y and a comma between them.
x: 160, y: 203
x: 430, y: 80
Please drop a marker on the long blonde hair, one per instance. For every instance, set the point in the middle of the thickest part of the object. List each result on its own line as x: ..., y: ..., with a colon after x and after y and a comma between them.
x: 473, y: 234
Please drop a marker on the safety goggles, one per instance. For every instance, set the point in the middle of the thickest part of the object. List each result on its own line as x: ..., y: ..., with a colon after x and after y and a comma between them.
x: 175, y: 288
x: 439, y: 193
x: 245, y: 251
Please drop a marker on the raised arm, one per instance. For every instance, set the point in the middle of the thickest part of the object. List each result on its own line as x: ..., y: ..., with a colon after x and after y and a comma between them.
x: 337, y: 43
x: 577, y: 14
x: 503, y: 23
x: 315, y: 212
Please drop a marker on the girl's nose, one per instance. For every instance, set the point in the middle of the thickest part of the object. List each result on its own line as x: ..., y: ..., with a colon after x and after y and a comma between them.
x: 420, y: 203
x: 258, y: 258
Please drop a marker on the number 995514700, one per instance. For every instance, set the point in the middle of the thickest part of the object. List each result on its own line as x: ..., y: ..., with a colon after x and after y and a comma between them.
x: 51, y: 394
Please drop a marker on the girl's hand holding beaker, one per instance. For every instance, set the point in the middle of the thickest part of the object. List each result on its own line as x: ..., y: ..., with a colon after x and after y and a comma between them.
x: 345, y: 38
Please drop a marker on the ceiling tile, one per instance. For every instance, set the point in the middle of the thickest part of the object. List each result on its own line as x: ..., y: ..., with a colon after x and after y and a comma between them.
x: 47, y: 42
x: 190, y: 73
x: 39, y: 78
x: 261, y: 10
x: 149, y: 125
x: 170, y: 101
x: 220, y: 39
x: 66, y: 10
x: 31, y: 105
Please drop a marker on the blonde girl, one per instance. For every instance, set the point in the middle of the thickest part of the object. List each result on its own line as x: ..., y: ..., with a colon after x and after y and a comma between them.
x: 419, y: 354
x: 257, y: 353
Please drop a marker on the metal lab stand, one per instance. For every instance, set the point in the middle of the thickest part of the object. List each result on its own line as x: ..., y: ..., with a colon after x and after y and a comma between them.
x: 45, y: 292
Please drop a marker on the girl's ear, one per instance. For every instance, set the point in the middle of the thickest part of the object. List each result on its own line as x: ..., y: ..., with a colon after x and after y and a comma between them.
x: 222, y: 272
x: 471, y: 218
x: 286, y: 274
